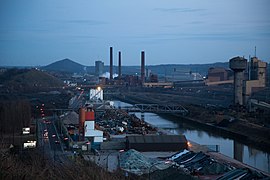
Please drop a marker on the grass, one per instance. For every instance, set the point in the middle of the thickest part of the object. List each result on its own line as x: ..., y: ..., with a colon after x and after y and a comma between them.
x: 31, y: 165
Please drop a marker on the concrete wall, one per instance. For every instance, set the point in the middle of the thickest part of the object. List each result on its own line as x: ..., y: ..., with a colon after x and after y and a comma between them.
x: 112, y: 145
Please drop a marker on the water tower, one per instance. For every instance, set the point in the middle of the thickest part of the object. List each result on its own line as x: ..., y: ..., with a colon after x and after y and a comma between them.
x: 238, y: 65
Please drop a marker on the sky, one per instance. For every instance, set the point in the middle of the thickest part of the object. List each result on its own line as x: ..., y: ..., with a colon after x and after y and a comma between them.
x: 38, y: 32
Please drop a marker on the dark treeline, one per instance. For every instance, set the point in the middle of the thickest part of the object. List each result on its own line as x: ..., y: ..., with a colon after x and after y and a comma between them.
x: 14, y: 115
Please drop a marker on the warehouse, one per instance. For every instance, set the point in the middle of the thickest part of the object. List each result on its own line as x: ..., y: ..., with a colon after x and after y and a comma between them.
x: 157, y: 142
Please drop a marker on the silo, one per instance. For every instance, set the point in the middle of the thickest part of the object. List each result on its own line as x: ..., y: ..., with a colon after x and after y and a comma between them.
x: 238, y: 65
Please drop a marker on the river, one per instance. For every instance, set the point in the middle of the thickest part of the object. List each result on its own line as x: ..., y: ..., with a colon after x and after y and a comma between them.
x: 228, y: 147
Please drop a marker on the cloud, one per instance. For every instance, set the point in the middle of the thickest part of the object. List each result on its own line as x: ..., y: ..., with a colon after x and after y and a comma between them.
x: 224, y: 36
x: 180, y: 10
x: 87, y: 22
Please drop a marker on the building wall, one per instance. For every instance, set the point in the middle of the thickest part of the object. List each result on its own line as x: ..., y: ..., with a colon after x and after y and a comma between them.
x: 258, y: 77
x: 99, y: 68
x: 258, y: 70
x: 217, y: 74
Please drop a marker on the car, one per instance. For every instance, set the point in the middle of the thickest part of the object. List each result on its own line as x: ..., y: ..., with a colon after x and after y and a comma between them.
x: 45, y: 135
x: 57, y: 142
x: 46, y: 122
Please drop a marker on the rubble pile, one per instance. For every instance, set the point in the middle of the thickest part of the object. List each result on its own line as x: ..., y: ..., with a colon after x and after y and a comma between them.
x: 71, y: 118
x: 134, y: 162
x: 243, y: 173
x: 200, y: 164
x: 116, y: 121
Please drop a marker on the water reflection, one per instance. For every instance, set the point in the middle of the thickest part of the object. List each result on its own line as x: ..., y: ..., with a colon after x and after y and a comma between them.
x: 228, y: 147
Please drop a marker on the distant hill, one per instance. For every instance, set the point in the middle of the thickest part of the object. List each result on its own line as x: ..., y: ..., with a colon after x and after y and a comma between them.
x: 65, y: 65
x: 28, y: 80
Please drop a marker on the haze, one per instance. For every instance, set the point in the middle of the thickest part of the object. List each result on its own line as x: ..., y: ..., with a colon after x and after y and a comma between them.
x: 36, y: 32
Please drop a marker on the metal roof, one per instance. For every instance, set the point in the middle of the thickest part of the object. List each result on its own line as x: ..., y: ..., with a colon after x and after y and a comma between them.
x: 156, y: 139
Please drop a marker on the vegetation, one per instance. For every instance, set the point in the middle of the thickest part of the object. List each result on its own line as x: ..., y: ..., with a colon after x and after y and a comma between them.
x: 31, y: 165
x: 28, y: 80
x: 14, y: 115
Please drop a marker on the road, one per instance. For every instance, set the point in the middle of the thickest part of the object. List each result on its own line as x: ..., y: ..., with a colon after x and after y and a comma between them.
x: 50, y: 141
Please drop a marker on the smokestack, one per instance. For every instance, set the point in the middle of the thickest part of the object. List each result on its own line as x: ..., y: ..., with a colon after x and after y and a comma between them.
x: 111, y: 63
x: 119, y: 66
x: 142, y: 67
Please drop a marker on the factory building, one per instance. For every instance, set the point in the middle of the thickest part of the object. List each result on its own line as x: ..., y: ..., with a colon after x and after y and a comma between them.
x: 156, y: 143
x: 99, y: 68
x: 257, y: 71
x: 257, y: 77
x: 217, y: 74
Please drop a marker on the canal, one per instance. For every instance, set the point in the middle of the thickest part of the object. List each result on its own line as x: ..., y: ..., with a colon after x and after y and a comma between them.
x: 228, y: 147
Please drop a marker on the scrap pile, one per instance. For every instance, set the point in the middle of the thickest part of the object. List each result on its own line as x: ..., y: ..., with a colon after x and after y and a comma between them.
x: 200, y: 164
x: 119, y: 122
x: 134, y: 162
x: 71, y: 118
x: 243, y: 173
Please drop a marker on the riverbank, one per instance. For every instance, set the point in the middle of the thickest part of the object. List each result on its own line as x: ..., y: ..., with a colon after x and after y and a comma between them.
x: 247, y: 133
x: 246, y: 156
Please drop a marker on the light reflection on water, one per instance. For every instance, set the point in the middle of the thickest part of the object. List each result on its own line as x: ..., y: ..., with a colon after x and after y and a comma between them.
x: 247, y: 155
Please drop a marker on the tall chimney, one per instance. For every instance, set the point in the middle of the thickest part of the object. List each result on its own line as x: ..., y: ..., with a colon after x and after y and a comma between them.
x: 111, y: 63
x: 119, y: 67
x: 142, y: 67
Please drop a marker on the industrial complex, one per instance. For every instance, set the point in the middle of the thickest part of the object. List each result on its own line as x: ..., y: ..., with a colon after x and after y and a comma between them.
x: 91, y: 127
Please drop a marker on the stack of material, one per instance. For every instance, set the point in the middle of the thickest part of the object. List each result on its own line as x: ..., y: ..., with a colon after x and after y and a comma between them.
x: 199, y: 163
x: 116, y: 122
x: 134, y: 162
x: 244, y: 173
x: 71, y: 118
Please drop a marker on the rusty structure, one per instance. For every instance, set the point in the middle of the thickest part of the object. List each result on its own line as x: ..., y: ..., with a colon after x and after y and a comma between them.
x: 142, y: 67
x: 238, y: 65
x: 111, y: 63
x: 119, y: 67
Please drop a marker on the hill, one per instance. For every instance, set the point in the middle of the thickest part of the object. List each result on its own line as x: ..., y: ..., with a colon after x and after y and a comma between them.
x: 28, y: 80
x: 65, y: 65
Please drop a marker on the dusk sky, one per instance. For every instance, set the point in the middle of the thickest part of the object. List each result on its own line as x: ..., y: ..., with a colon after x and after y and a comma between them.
x: 39, y: 32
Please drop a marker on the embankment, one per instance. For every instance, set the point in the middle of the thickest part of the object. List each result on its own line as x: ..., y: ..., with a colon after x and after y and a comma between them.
x: 240, y: 131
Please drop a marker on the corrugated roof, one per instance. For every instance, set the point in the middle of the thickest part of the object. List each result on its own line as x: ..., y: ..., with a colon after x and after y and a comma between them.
x: 156, y: 139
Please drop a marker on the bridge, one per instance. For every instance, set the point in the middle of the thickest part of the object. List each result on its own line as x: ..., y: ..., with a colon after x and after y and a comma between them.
x: 156, y: 108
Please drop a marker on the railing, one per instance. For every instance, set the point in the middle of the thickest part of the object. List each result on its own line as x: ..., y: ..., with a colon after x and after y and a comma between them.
x: 156, y: 108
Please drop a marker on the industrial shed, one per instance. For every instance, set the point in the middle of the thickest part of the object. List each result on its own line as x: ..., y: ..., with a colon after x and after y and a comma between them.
x: 156, y: 142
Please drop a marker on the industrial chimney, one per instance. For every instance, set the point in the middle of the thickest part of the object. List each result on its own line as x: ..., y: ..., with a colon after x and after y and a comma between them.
x: 119, y: 67
x: 238, y: 65
x: 142, y: 67
x: 111, y: 63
